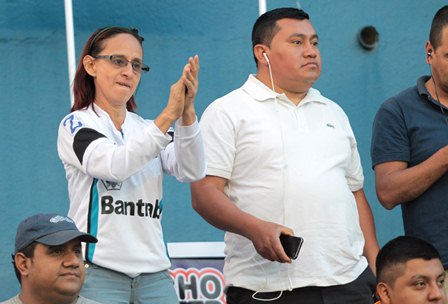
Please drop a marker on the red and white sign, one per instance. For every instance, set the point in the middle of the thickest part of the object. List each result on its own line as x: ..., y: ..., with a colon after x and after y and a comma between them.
x: 197, y: 272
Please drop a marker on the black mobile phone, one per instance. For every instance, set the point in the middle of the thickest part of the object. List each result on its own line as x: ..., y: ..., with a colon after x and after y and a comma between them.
x: 291, y: 245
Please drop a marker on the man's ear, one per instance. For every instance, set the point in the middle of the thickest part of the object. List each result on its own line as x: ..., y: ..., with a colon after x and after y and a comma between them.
x: 429, y: 50
x: 89, y: 65
x: 22, y: 263
x: 259, y: 49
x: 384, y: 292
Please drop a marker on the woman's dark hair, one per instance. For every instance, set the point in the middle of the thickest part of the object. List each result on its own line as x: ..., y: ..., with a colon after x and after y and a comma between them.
x: 83, y: 85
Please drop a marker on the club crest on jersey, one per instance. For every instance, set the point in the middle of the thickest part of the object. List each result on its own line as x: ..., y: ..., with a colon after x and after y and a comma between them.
x: 111, y: 185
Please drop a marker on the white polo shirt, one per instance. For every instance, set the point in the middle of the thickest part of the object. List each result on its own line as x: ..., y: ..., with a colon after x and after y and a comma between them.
x: 292, y: 165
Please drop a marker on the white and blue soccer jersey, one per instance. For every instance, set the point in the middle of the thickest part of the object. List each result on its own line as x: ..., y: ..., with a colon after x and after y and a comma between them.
x: 115, y: 184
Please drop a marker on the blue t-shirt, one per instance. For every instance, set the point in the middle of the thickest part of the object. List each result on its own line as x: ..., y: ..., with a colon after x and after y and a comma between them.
x: 411, y: 127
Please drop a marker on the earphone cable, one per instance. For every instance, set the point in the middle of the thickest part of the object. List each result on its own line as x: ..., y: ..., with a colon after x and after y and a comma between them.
x: 438, y: 100
x: 260, y: 290
x: 279, y: 121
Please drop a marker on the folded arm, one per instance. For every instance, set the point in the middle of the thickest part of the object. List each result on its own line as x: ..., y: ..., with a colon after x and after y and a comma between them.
x: 397, y: 183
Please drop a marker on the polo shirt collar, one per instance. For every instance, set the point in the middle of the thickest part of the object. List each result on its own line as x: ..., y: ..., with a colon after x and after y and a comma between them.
x: 423, y: 91
x: 260, y: 92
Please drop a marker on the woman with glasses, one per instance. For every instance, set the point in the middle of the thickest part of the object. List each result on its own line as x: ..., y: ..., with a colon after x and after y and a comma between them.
x: 114, y: 162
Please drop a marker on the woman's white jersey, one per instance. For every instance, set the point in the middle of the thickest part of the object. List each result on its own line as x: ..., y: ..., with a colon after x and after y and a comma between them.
x: 115, y: 184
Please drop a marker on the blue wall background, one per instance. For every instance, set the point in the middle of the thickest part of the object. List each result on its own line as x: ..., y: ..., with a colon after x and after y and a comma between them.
x: 35, y: 90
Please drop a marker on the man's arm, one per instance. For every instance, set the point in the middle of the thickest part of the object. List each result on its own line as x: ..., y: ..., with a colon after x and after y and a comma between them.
x: 210, y: 201
x: 396, y: 183
x: 367, y: 224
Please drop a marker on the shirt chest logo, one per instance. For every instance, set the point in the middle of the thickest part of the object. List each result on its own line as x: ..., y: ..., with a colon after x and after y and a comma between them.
x: 111, y: 185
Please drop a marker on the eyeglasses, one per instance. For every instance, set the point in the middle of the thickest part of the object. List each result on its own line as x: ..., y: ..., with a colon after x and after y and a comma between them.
x: 121, y: 62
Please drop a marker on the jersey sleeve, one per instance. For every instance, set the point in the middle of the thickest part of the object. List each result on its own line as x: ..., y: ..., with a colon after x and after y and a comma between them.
x: 81, y: 145
x: 184, y: 157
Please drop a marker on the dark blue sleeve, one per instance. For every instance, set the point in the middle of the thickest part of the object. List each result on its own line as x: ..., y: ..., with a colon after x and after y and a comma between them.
x: 390, y: 140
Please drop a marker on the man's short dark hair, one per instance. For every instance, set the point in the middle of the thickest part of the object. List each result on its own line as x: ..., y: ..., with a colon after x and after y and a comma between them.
x: 266, y: 27
x: 28, y: 251
x: 394, y: 255
x: 439, y: 21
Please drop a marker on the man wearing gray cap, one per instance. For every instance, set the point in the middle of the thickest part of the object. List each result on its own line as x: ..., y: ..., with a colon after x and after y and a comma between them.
x: 48, y: 261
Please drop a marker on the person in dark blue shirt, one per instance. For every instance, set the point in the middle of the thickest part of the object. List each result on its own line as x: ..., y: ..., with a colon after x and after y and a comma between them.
x: 410, y: 147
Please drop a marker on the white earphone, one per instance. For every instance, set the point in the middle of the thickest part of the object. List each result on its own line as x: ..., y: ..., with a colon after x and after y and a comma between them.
x: 266, y: 57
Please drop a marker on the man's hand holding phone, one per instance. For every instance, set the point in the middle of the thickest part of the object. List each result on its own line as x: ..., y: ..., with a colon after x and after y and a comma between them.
x: 291, y: 245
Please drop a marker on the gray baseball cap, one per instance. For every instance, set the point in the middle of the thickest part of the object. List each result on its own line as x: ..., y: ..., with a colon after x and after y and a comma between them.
x: 49, y: 229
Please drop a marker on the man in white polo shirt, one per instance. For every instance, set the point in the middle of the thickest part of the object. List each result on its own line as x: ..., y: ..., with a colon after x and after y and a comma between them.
x: 282, y: 159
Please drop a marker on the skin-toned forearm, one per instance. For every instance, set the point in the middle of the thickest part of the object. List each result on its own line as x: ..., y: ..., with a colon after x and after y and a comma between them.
x: 367, y: 224
x: 210, y: 201
x: 396, y: 183
x: 188, y: 116
x: 218, y: 210
x: 164, y: 121
x: 191, y: 82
